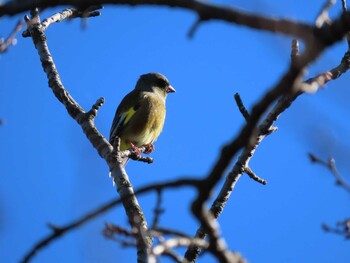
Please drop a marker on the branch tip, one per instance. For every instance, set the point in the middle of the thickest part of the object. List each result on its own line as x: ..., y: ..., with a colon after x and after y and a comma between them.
x: 243, y: 110
x: 253, y: 176
x: 323, y: 17
x: 194, y: 28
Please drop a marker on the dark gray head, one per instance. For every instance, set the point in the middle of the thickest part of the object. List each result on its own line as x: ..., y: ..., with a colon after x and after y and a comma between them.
x: 151, y: 81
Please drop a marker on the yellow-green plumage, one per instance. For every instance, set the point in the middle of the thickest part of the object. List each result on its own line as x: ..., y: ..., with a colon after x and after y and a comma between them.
x: 140, y: 116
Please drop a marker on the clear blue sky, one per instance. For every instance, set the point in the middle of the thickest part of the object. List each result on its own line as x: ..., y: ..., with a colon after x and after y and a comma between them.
x: 51, y: 173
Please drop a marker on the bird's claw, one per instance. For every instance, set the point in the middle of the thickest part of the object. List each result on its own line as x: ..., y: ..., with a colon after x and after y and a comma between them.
x: 135, y: 149
x: 149, y: 148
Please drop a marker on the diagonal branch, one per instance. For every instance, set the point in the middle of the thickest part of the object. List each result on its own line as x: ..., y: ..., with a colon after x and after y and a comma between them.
x: 61, y: 231
x: 10, y: 40
x: 331, y: 166
x: 248, y: 131
x: 86, y: 121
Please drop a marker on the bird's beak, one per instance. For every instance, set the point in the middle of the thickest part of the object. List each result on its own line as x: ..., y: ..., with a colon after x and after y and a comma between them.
x: 170, y: 89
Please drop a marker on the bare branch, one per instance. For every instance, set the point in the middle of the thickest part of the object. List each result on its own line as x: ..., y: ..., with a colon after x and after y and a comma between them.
x: 323, y: 17
x: 342, y: 228
x: 295, y: 51
x: 133, y: 210
x: 158, y: 210
x: 331, y: 166
x: 11, y: 40
x: 252, y: 175
x: 73, y: 108
x: 250, y: 135
x: 86, y: 120
x: 206, y: 11
x: 194, y: 28
x: 101, y: 210
x: 177, y: 242
x: 66, y: 14
x: 240, y: 166
x: 241, y: 106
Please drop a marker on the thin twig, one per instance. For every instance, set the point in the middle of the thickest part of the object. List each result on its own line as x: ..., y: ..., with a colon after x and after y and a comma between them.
x: 284, y: 103
x: 252, y: 175
x: 323, y: 17
x: 158, y: 210
x: 331, y: 166
x: 205, y: 10
x: 11, y: 40
x: 61, y: 231
x: 65, y: 14
x: 241, y: 106
x: 342, y: 228
x: 194, y: 28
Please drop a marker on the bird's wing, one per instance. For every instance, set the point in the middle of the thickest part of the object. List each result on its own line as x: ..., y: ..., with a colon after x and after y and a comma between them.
x: 124, y: 114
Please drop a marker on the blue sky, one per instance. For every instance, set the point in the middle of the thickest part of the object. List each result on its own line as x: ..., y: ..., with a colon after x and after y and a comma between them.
x: 50, y: 172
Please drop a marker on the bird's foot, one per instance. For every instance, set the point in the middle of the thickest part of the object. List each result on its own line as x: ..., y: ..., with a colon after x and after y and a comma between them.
x: 135, y: 149
x: 149, y: 148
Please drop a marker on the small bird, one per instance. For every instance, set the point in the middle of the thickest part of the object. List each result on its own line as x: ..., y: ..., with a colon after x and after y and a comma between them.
x: 140, y: 116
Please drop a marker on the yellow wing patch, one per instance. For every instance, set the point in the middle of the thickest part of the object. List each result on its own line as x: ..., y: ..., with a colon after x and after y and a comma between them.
x: 128, y: 114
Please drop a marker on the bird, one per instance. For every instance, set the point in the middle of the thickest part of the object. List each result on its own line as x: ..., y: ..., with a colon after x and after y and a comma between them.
x: 140, y: 116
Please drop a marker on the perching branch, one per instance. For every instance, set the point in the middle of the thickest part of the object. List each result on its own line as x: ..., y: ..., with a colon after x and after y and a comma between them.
x: 250, y: 136
x: 86, y: 121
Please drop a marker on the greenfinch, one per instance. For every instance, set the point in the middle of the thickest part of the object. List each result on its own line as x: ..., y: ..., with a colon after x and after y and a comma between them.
x: 140, y: 116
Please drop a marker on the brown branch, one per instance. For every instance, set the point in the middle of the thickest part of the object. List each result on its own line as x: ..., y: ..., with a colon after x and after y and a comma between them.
x: 73, y: 108
x: 241, y: 106
x: 246, y: 136
x: 158, y: 210
x: 65, y: 14
x: 205, y: 11
x: 253, y: 176
x: 86, y: 121
x: 295, y: 51
x: 291, y: 78
x: 342, y: 228
x: 194, y: 28
x: 5, y: 44
x: 330, y: 164
x: 61, y: 231
x: 177, y: 242
x: 323, y: 16
x: 325, y: 36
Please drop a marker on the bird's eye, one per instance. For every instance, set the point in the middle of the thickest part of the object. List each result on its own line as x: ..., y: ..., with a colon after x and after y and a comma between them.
x: 162, y: 83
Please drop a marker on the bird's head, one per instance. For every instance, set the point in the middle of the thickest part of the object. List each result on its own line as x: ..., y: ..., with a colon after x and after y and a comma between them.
x: 154, y: 82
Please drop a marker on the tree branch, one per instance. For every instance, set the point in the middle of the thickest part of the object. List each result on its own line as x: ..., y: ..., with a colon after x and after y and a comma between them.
x: 68, y: 13
x: 331, y: 166
x: 288, y: 82
x: 61, y: 231
x: 205, y: 11
x: 5, y: 44
x: 86, y: 121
